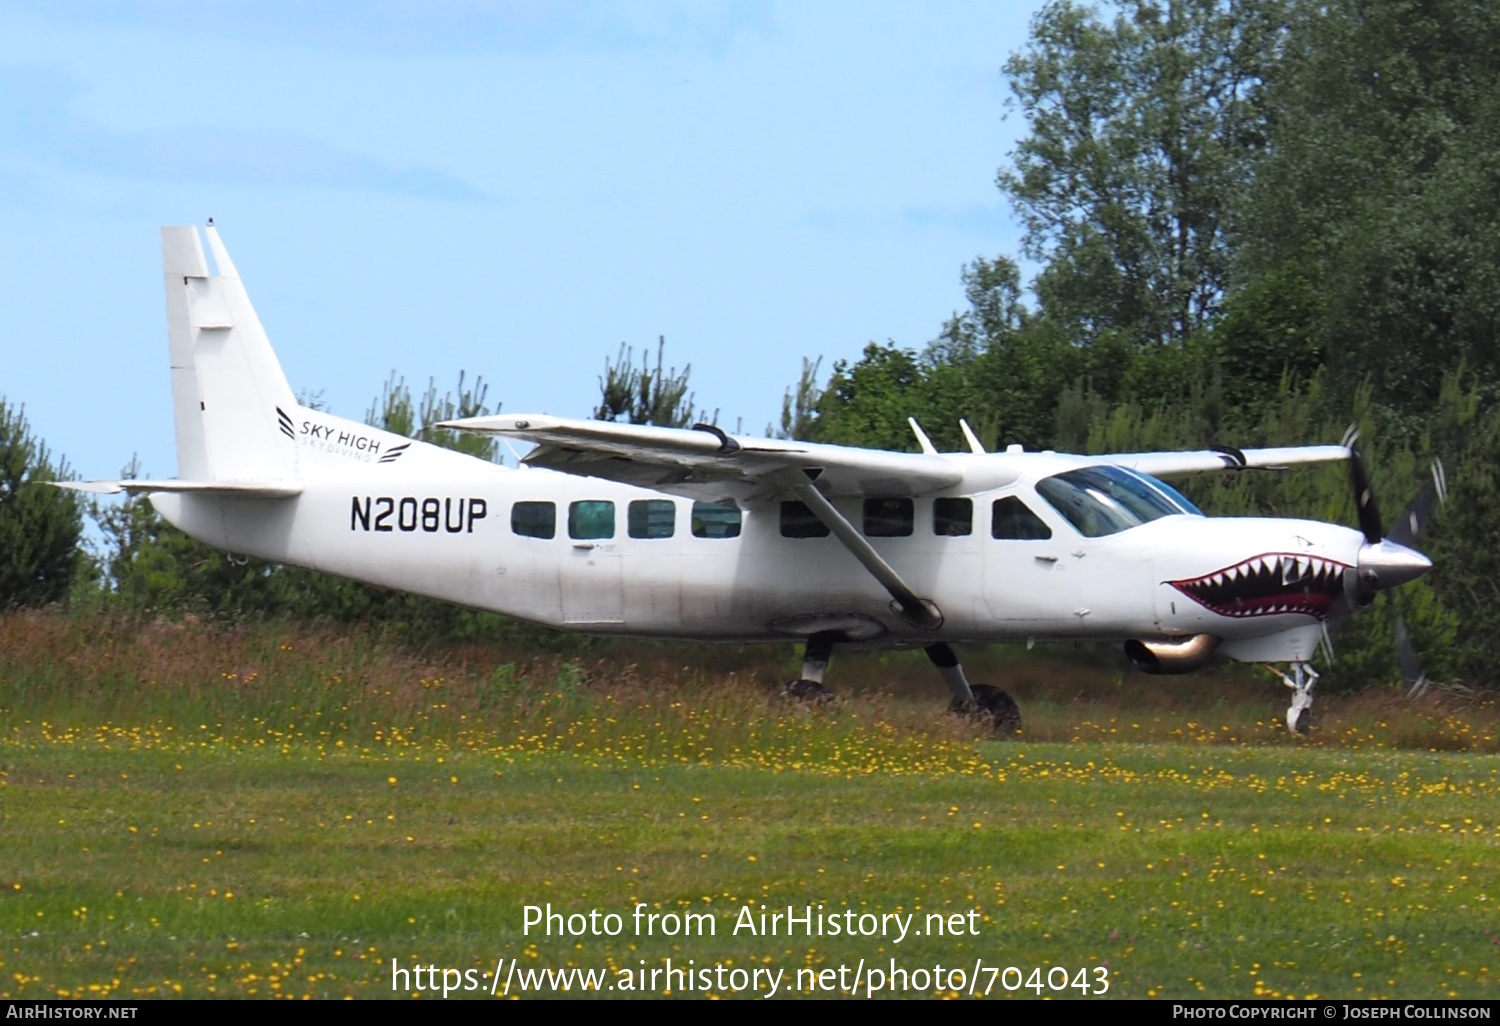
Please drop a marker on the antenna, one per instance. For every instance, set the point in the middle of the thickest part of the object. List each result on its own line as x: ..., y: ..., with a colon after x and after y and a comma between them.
x: 922, y: 439
x: 974, y: 444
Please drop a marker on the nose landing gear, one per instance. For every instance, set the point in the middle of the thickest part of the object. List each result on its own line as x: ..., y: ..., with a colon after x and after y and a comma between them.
x: 1299, y: 713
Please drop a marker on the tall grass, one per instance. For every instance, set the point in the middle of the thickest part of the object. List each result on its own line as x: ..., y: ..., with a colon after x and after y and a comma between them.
x: 271, y: 682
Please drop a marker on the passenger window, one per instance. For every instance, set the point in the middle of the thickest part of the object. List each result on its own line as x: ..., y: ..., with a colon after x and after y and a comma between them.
x: 712, y: 520
x: 591, y: 518
x: 888, y: 518
x: 534, y: 519
x: 953, y: 518
x: 797, y: 521
x: 1014, y: 520
x: 651, y: 518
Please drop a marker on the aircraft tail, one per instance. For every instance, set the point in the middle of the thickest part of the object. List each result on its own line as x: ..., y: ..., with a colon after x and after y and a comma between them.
x: 232, y: 404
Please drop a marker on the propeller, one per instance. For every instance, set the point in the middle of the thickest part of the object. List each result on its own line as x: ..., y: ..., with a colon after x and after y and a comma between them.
x: 1405, y: 532
x: 1420, y: 510
x: 1390, y: 559
x: 1364, y: 492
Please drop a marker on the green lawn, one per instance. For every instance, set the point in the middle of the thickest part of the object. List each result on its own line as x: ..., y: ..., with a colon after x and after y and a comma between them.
x: 276, y: 810
x: 149, y: 862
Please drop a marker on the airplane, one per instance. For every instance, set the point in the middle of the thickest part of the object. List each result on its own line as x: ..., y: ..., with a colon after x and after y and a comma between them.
x: 693, y: 533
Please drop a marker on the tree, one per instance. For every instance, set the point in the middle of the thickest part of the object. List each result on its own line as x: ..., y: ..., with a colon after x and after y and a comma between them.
x: 395, y: 412
x: 1143, y: 134
x: 1378, y: 192
x: 998, y: 365
x: 40, y: 524
x: 994, y: 365
x: 867, y: 402
x: 646, y: 395
x: 799, y: 406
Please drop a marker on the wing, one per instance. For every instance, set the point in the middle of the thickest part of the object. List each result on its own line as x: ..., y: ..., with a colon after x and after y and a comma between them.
x: 223, y: 489
x: 1172, y: 464
x: 705, y: 463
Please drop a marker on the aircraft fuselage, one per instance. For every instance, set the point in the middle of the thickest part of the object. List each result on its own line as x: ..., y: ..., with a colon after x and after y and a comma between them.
x: 448, y: 526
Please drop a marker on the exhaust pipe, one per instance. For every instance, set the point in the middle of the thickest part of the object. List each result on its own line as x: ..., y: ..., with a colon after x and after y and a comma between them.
x: 1171, y: 655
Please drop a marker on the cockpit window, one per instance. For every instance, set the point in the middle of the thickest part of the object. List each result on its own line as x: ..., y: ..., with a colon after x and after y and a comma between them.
x: 1106, y: 500
x: 1170, y: 492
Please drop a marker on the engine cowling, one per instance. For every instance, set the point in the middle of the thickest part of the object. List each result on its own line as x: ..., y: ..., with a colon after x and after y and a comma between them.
x: 1171, y: 655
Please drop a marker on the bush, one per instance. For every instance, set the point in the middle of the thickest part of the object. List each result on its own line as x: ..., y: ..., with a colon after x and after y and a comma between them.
x: 39, y: 524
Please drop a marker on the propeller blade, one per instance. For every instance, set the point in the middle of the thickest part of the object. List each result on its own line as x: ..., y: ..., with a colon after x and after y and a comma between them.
x: 1414, y: 518
x: 1411, y: 667
x: 1364, y: 492
x: 1325, y: 641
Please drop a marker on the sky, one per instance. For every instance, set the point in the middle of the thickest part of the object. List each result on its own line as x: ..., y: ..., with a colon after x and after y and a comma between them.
x: 511, y: 188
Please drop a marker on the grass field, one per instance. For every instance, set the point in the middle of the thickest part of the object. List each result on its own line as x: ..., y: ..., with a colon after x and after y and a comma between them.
x: 277, y: 812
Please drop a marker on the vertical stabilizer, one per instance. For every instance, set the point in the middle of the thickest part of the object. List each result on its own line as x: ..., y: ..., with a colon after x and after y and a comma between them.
x: 232, y: 404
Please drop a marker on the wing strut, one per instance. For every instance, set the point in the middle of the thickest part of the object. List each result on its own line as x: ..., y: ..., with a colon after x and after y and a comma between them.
x: 914, y: 610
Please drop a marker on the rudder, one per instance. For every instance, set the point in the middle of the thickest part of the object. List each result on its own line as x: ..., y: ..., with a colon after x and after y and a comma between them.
x: 231, y: 402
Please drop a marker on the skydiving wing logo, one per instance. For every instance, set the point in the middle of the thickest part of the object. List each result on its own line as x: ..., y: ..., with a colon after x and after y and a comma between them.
x: 285, y: 423
x: 393, y: 454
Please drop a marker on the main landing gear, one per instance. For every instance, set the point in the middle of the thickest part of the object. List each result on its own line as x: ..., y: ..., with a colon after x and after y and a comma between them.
x: 810, y: 687
x: 983, y: 702
x: 1299, y: 713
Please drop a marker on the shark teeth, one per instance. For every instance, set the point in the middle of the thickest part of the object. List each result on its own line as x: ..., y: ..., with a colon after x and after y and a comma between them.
x: 1272, y: 584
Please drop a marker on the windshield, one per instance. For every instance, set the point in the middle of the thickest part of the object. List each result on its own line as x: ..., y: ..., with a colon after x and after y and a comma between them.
x: 1182, y: 502
x: 1106, y: 500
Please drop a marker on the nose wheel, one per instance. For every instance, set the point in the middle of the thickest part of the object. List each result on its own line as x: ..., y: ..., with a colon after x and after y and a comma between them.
x: 1301, y: 681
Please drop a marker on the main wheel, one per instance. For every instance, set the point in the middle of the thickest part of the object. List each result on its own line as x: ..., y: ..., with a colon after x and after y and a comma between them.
x: 808, y: 691
x: 993, y: 705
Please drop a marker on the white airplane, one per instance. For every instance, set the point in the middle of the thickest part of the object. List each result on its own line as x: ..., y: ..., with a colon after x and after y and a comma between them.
x: 694, y: 533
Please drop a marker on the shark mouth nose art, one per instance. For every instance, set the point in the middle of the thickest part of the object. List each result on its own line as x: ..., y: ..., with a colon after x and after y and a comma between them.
x: 1269, y: 585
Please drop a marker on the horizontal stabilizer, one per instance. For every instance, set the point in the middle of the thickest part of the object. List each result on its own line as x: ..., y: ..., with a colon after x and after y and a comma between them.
x: 227, y: 489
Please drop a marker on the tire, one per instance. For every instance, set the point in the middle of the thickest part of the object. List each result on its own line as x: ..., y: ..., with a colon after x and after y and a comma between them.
x: 995, y: 706
x: 808, y: 691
